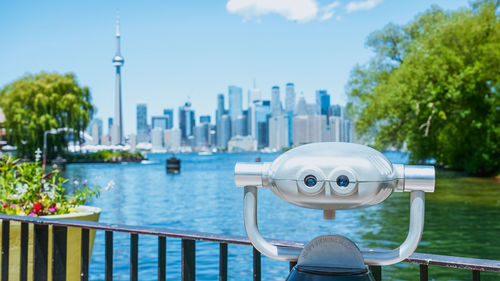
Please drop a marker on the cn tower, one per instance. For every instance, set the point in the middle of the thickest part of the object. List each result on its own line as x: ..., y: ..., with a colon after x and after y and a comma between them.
x: 117, y: 134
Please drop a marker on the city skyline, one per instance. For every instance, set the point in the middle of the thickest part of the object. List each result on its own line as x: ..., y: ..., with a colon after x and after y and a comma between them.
x: 176, y: 51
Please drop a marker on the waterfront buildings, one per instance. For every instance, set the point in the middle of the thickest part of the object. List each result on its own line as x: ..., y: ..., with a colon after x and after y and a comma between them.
x: 322, y: 102
x: 172, y: 140
x: 96, y: 131
x: 290, y: 98
x: 225, y: 130
x: 262, y: 115
x: 235, y: 95
x: 110, y: 125
x: 221, y: 143
x: 262, y: 122
x: 275, y: 101
x: 254, y: 98
x: 186, y: 122
x: 118, y: 61
x: 161, y: 122
x: 142, y: 122
x: 169, y: 113
x: 241, y: 143
x: 278, y: 132
x: 157, y: 139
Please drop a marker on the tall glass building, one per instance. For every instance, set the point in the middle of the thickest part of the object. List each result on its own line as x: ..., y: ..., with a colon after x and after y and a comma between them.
x: 186, y: 122
x: 262, y: 114
x: 275, y: 101
x: 169, y: 112
x: 322, y: 102
x: 142, y: 122
x: 290, y: 97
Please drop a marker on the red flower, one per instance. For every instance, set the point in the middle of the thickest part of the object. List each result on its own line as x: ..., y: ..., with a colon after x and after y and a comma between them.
x: 5, y: 205
x: 37, y: 207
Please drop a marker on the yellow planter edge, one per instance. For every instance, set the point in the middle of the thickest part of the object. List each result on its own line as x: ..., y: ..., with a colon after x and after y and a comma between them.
x: 83, y: 213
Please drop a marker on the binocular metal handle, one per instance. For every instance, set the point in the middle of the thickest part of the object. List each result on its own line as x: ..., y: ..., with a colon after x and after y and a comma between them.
x: 371, y: 257
x: 253, y: 233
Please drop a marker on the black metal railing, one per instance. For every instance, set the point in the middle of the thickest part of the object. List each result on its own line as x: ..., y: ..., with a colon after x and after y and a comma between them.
x: 188, y: 250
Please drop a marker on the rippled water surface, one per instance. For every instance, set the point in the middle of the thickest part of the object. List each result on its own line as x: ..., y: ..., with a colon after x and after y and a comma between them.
x: 462, y: 218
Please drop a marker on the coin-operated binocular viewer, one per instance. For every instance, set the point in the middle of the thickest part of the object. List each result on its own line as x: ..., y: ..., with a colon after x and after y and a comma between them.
x: 334, y: 176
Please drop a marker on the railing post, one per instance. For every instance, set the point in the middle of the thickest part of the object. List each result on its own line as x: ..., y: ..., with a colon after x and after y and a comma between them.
x: 84, y: 256
x: 40, y: 252
x: 5, y: 249
x: 223, y: 262
x: 109, y: 256
x: 162, y: 258
x: 424, y: 272
x: 476, y: 275
x: 188, y: 260
x: 59, y: 241
x: 134, y: 241
x: 256, y: 265
x: 376, y: 271
x: 23, y: 255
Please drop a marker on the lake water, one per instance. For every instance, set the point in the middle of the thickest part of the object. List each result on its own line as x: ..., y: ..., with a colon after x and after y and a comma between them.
x: 462, y: 218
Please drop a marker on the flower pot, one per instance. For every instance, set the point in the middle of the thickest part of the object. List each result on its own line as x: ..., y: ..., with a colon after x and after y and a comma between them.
x: 84, y: 213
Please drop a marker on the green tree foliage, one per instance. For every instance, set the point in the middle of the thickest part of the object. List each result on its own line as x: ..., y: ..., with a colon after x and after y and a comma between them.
x: 434, y: 86
x: 37, y: 103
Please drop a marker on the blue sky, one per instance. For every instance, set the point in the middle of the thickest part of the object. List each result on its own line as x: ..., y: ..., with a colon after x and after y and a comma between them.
x: 179, y: 49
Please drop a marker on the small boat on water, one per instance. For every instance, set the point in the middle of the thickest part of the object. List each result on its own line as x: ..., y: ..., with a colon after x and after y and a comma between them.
x: 202, y: 153
x: 173, y: 165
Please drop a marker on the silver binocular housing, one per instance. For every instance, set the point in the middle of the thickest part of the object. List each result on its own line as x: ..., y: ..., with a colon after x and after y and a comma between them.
x: 335, y: 176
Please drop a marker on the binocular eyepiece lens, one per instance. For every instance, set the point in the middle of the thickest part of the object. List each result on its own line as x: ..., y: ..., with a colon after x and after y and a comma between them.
x: 310, y: 181
x: 342, y: 181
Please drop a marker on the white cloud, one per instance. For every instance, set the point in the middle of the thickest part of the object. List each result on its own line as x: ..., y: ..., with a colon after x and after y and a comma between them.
x: 298, y: 10
x: 362, y: 5
x: 328, y: 10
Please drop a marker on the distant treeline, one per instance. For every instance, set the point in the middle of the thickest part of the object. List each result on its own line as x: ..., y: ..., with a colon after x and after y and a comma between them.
x: 105, y: 156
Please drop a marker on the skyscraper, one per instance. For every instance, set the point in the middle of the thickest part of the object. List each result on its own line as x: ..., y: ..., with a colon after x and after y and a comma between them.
x: 205, y: 119
x: 96, y: 130
x: 218, y: 121
x: 301, y: 106
x: 275, y: 101
x: 225, y: 124
x: 335, y: 110
x: 235, y: 106
x: 118, y: 62
x: 160, y: 122
x: 289, y: 107
x: 169, y: 112
x: 157, y: 139
x: 186, y: 122
x: 254, y: 97
x: 261, y: 116
x: 322, y: 102
x: 110, y: 125
x: 235, y: 101
x: 278, y: 132
x: 290, y: 97
x: 142, y: 122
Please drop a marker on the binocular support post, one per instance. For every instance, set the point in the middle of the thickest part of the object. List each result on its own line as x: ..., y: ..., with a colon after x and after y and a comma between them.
x: 250, y: 217
x: 417, y: 214
x: 371, y: 257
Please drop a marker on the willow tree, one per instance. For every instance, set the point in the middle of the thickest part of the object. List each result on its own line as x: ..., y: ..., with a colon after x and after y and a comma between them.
x: 434, y: 87
x: 37, y: 103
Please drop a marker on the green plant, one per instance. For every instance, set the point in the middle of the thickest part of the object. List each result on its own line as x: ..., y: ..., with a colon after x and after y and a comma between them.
x: 26, y: 190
